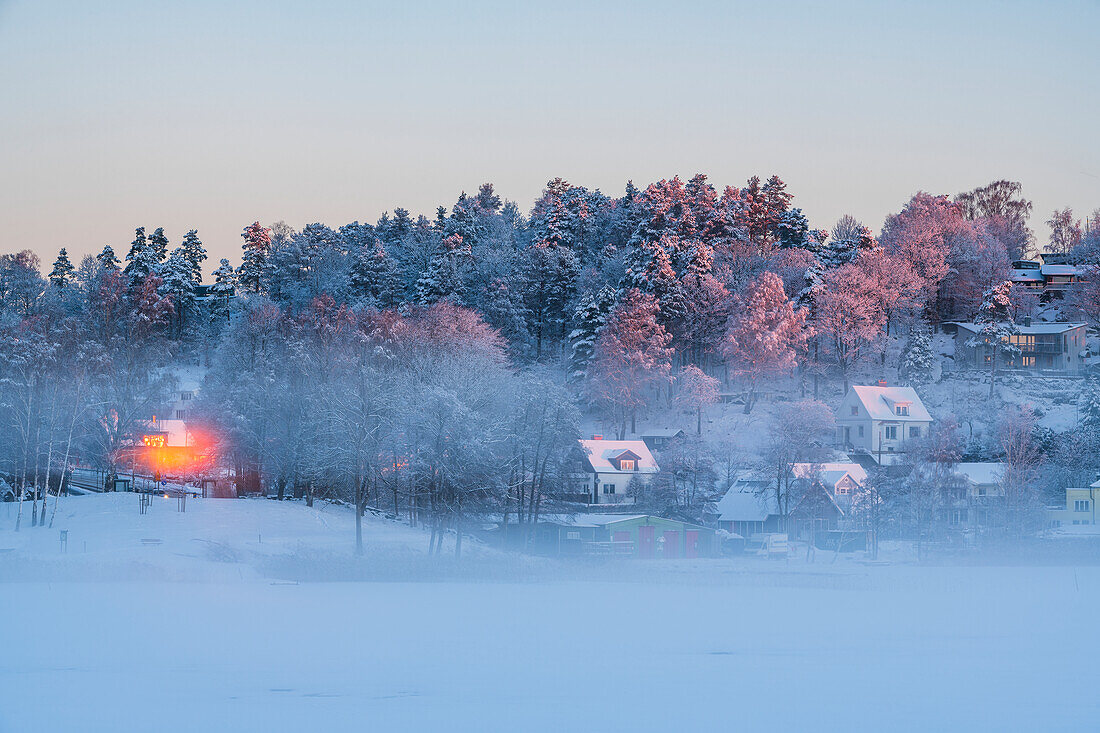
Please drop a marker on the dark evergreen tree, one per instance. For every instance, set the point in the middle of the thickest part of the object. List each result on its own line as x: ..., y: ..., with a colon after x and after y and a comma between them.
x: 159, y: 244
x: 62, y: 271
x: 590, y: 316
x: 194, y: 254
x: 141, y: 260
x: 254, y: 266
x: 107, y: 259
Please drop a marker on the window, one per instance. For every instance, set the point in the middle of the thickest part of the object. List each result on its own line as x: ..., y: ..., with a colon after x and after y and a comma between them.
x: 571, y: 535
x: 184, y: 396
x: 914, y: 431
x: 855, y: 409
x: 892, y: 432
x: 625, y: 465
x: 1081, y: 505
x: 861, y: 431
x: 981, y: 491
x: 181, y: 414
x: 902, y: 410
x: 842, y: 490
x: 609, y: 488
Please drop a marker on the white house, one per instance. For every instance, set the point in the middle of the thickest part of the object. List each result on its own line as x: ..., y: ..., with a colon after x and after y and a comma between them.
x: 610, y: 466
x: 881, y: 422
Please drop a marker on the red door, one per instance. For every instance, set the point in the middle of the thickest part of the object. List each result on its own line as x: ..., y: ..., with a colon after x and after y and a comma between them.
x: 671, y: 545
x: 647, y: 539
x: 691, y: 543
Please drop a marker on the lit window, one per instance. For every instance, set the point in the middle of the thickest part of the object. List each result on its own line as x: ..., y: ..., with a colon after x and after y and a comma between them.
x: 625, y: 465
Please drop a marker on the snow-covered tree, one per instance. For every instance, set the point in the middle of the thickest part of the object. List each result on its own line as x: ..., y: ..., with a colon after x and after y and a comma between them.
x: 697, y: 390
x: 445, y: 277
x: 178, y: 282
x: 376, y: 277
x: 141, y: 260
x: 765, y: 335
x: 158, y: 242
x: 225, y: 280
x: 62, y: 271
x: 588, y: 318
x: 631, y: 356
x: 918, y: 362
x: 107, y: 259
x: 254, y: 265
x: 996, y: 329
x: 194, y: 253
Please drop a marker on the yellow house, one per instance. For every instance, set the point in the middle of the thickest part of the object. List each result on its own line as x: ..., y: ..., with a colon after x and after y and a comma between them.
x: 1080, y: 507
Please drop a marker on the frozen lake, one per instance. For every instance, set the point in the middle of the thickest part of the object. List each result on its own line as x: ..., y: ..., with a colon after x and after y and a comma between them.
x: 1005, y: 650
x: 200, y: 633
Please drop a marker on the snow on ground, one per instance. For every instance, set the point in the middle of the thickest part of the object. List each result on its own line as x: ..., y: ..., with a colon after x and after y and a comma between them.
x: 623, y: 645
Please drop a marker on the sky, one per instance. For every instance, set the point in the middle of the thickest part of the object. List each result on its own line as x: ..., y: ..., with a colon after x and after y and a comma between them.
x: 211, y: 115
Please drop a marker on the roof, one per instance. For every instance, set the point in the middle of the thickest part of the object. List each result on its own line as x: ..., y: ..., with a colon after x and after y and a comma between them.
x: 880, y: 401
x: 1026, y: 275
x: 1034, y: 329
x: 602, y: 520
x: 981, y: 473
x: 742, y: 504
x: 1061, y: 270
x: 600, y: 453
x: 831, y: 473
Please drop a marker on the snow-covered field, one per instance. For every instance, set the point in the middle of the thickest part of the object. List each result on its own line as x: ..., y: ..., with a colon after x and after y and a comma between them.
x: 203, y: 632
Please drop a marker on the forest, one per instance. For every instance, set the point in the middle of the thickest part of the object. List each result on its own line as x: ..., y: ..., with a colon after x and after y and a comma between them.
x: 445, y: 366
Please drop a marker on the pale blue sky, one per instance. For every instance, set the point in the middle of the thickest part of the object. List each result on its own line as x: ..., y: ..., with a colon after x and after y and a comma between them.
x: 116, y: 114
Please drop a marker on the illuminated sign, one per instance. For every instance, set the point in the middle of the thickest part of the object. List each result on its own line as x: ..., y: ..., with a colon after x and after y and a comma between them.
x: 153, y: 441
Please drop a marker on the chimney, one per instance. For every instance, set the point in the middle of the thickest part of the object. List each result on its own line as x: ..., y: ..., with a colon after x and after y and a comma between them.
x: 597, y: 437
x: 882, y: 382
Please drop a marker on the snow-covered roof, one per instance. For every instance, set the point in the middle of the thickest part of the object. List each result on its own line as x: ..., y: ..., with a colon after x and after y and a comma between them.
x: 742, y: 504
x: 981, y: 473
x: 881, y: 401
x: 831, y: 473
x: 601, y: 452
x: 588, y: 520
x: 1061, y: 270
x: 1029, y: 275
x: 1035, y: 329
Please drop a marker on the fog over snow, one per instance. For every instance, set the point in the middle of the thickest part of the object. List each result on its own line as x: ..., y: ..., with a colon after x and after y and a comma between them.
x: 218, y: 629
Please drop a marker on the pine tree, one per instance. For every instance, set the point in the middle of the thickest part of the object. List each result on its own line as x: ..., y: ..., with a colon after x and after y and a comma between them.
x: 62, y: 271
x: 376, y: 277
x: 141, y: 260
x: 918, y: 362
x: 445, y: 277
x: 107, y: 259
x: 225, y: 280
x: 177, y: 282
x: 254, y: 264
x: 159, y: 244
x: 1089, y: 408
x: 588, y: 319
x: 194, y: 253
x: 996, y: 329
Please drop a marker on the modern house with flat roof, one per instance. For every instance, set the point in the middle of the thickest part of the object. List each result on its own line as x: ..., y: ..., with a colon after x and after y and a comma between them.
x: 1053, y: 347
